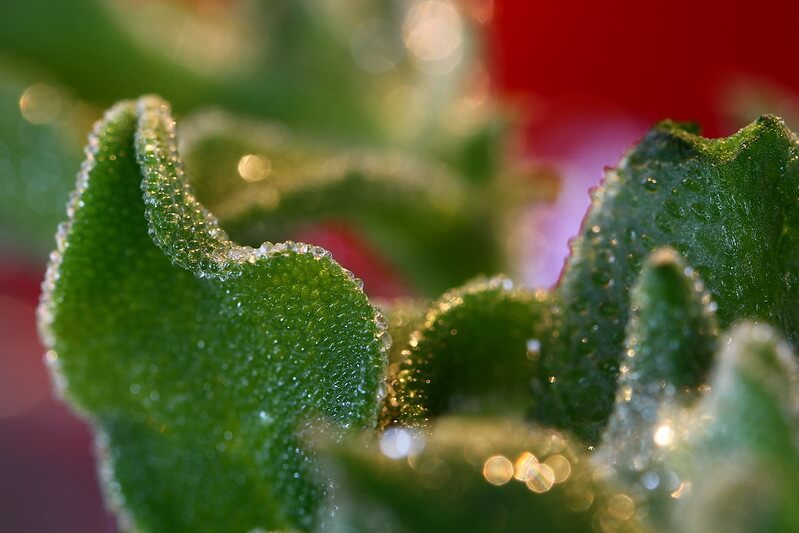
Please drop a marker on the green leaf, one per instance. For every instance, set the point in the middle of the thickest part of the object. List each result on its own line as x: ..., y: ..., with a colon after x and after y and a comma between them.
x: 199, y: 361
x: 671, y: 339
x: 671, y: 336
x: 473, y: 475
x: 727, y: 205
x: 472, y: 354
x: 311, y: 68
x: 262, y: 181
x: 741, y: 460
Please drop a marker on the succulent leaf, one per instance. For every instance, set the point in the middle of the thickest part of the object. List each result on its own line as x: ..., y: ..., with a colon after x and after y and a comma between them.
x: 669, y: 348
x: 200, y: 362
x: 472, y: 353
x: 740, y: 463
x: 727, y: 205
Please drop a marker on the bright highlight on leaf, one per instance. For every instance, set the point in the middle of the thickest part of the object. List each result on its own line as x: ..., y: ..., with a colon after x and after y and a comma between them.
x: 200, y: 362
x: 477, y: 475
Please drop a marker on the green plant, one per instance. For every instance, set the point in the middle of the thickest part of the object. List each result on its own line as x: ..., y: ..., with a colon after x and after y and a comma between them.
x: 236, y: 388
x: 290, y: 62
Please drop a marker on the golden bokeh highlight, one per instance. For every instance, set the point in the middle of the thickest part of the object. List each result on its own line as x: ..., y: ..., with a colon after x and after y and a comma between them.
x: 524, y: 467
x: 40, y: 104
x: 498, y: 470
x: 541, y: 479
x: 254, y: 167
x: 432, y: 30
x: 664, y: 435
x: 561, y: 467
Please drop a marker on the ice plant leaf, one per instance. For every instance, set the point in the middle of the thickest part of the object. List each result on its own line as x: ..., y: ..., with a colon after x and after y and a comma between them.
x: 740, y: 465
x: 199, y: 361
x: 671, y: 335
x: 261, y: 181
x: 727, y: 205
x: 474, y: 475
x: 472, y: 353
x: 669, y: 348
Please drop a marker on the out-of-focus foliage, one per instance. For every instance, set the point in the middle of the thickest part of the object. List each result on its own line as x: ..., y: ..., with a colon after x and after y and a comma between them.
x: 39, y: 152
x: 381, y: 74
x: 263, y: 182
x: 475, y: 475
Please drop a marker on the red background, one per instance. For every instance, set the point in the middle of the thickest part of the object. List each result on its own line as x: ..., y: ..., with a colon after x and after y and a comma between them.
x: 650, y: 60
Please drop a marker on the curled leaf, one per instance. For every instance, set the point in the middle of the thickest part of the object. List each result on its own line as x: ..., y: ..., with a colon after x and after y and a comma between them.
x: 727, y: 205
x: 472, y: 353
x: 197, y: 360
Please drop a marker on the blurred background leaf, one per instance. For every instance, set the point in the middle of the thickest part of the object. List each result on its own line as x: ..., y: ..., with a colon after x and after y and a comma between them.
x: 379, y: 74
